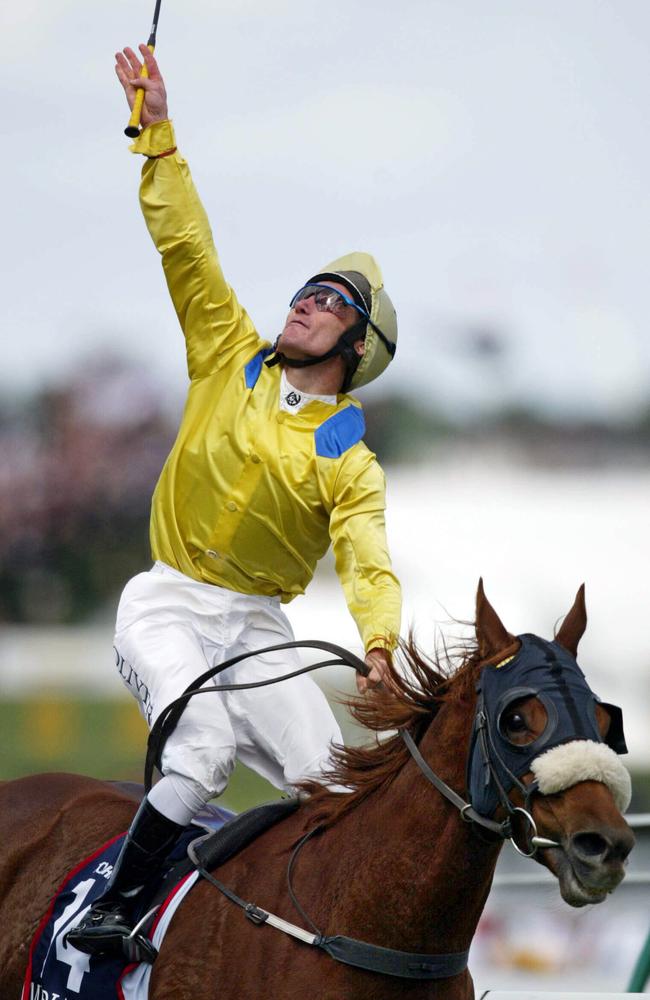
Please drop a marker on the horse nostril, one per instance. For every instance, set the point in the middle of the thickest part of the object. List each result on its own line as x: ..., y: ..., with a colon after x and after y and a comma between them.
x: 590, y: 846
x: 593, y: 847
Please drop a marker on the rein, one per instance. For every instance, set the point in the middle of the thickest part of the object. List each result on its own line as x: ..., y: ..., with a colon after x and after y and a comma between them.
x: 350, y: 951
x: 169, y: 717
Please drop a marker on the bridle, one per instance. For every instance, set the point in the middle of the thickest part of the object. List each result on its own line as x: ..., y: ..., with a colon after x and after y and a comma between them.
x: 468, y: 814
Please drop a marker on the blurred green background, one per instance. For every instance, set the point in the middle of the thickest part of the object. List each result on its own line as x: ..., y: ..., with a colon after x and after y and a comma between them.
x: 101, y: 737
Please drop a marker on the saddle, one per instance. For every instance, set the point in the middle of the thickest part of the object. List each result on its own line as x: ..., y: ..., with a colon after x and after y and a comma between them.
x: 223, y: 841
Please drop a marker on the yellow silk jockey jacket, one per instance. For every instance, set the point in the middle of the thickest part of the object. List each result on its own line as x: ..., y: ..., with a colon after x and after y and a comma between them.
x: 251, y: 496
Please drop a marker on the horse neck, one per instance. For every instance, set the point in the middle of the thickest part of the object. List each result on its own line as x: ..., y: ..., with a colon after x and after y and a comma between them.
x: 402, y: 869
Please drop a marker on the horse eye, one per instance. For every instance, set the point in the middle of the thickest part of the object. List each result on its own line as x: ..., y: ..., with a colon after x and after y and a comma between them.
x: 515, y: 723
x: 523, y: 720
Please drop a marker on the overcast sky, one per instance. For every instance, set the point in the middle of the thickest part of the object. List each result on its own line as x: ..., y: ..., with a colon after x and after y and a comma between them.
x: 492, y: 154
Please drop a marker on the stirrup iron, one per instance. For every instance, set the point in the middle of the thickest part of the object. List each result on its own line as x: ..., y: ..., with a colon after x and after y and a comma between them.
x: 137, y: 947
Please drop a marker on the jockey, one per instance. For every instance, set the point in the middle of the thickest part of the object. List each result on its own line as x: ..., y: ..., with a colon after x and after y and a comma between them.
x: 268, y: 467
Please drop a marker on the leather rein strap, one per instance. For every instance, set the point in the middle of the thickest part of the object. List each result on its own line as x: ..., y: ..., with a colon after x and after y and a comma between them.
x: 349, y: 951
x: 467, y: 811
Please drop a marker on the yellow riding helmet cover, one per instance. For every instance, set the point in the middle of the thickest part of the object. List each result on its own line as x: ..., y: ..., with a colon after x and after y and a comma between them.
x: 377, y: 355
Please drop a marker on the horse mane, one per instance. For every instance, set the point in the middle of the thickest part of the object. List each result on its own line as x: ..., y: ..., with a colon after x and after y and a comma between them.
x: 410, y: 700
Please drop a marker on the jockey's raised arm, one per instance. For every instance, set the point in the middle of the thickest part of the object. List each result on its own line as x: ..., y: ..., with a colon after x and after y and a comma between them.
x: 211, y: 318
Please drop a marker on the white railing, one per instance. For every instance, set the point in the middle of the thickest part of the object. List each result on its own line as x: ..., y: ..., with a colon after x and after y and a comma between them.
x: 536, y: 995
x: 638, y: 821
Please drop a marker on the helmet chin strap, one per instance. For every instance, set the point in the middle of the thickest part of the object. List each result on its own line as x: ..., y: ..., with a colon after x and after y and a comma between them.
x: 344, y: 347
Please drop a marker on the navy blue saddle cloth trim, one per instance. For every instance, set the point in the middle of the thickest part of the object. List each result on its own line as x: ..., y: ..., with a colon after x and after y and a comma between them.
x: 57, y: 969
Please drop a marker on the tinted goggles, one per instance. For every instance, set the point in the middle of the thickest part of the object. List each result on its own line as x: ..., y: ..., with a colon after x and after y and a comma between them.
x: 327, y: 299
x: 331, y: 300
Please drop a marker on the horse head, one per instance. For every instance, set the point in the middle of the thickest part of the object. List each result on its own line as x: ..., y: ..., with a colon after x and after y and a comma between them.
x: 544, y: 755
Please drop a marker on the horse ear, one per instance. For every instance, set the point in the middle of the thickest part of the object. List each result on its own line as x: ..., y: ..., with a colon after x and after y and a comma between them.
x: 491, y: 634
x: 574, y: 624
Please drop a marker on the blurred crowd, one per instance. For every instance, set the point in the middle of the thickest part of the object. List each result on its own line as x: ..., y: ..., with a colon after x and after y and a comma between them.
x: 78, y: 464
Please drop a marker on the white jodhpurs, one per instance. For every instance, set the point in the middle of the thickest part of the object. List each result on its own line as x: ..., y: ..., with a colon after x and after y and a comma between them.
x: 170, y: 630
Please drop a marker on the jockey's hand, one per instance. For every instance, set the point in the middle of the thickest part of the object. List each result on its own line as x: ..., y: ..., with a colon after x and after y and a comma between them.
x: 127, y: 67
x: 378, y: 660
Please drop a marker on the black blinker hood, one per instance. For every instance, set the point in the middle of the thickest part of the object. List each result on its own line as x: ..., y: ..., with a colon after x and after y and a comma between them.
x: 549, y: 672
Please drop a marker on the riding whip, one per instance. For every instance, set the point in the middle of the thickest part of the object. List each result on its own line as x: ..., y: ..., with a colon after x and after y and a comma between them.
x: 133, y: 128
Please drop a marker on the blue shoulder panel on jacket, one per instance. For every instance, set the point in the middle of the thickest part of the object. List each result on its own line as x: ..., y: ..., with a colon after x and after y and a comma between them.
x: 254, y: 367
x: 340, y: 432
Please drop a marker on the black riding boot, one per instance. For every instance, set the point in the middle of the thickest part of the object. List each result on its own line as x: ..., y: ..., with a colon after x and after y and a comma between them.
x: 105, y: 930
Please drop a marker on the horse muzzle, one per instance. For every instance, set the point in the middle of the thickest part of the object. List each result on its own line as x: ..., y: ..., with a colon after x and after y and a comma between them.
x: 592, y: 864
x: 591, y: 861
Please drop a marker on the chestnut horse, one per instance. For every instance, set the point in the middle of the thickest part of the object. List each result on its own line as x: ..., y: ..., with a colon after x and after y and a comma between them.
x: 394, y: 864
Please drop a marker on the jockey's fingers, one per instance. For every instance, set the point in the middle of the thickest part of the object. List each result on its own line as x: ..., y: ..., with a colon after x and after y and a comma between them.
x: 145, y: 83
x: 121, y: 62
x: 129, y: 89
x: 150, y: 60
x: 123, y: 67
x: 133, y: 61
x: 370, y: 683
x: 124, y: 74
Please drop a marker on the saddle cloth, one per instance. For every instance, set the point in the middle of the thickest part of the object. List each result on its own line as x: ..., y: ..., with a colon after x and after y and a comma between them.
x: 57, y: 971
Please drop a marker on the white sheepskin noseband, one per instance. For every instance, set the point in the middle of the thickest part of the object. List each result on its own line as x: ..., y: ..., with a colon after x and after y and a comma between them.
x: 583, y: 760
